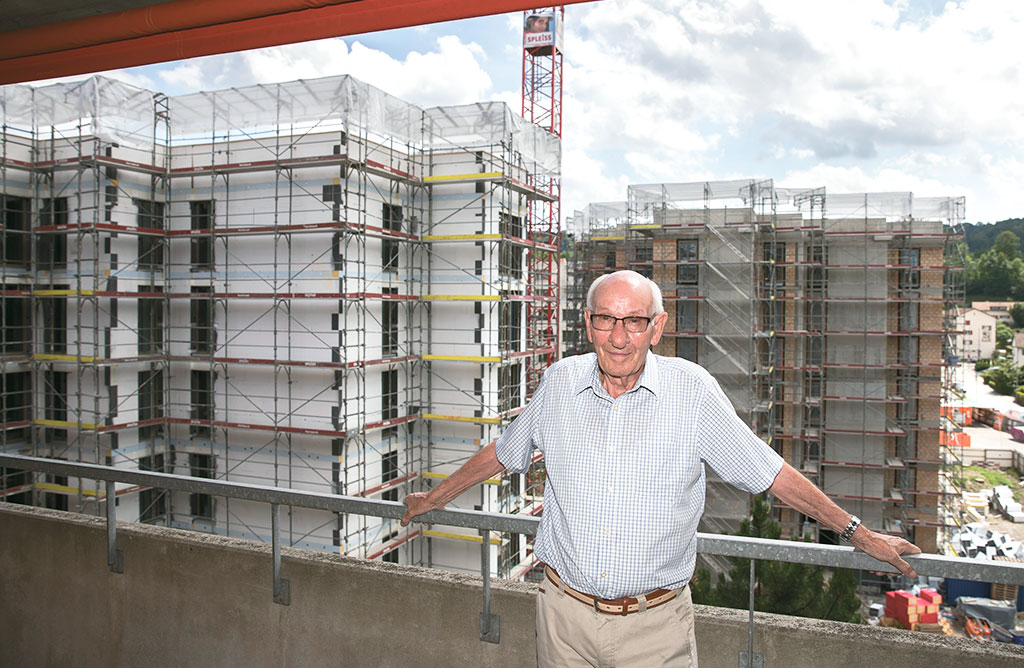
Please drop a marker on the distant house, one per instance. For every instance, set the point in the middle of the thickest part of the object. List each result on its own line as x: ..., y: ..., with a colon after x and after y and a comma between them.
x: 1018, y: 348
x: 998, y: 310
x: 979, y: 338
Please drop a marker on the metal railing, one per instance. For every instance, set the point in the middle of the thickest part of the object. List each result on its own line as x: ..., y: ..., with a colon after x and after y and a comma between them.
x: 834, y: 556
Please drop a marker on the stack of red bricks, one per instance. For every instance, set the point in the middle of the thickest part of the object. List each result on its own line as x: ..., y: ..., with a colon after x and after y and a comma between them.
x: 913, y: 611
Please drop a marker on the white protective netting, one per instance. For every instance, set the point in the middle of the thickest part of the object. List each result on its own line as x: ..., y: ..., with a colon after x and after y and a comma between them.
x: 124, y: 114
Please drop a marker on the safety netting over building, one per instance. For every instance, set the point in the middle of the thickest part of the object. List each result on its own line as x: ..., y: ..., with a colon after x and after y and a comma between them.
x: 115, y: 111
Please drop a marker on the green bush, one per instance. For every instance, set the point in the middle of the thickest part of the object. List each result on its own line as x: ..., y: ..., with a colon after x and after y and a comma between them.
x: 1003, y: 377
x: 1018, y: 396
x: 981, y: 365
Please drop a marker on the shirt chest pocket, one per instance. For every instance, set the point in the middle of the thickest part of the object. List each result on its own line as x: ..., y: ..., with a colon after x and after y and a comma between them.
x: 663, y: 459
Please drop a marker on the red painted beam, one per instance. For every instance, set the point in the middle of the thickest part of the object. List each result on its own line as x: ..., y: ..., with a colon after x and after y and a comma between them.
x: 350, y: 18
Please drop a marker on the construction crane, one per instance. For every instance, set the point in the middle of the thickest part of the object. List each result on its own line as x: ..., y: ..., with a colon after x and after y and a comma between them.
x: 542, y: 105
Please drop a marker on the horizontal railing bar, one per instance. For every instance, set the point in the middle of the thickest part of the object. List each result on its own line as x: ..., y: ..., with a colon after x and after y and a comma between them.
x: 833, y: 556
x: 337, y: 503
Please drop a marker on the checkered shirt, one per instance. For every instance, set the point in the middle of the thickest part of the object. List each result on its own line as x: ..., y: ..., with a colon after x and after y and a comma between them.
x: 625, y: 477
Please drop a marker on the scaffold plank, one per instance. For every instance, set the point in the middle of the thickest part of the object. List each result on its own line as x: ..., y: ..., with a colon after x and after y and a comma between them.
x: 454, y: 178
x: 261, y: 165
x: 432, y: 475
x: 460, y: 418
x: 462, y: 298
x: 383, y: 487
x: 430, y: 238
x: 105, y: 227
x: 394, y: 544
x: 459, y: 536
x: 461, y: 358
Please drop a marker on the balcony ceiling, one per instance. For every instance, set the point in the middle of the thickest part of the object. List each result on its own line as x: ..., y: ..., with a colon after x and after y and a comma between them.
x: 52, y: 38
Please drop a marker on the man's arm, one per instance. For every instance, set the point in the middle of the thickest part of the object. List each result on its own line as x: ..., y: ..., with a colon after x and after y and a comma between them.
x: 481, y: 466
x: 798, y: 492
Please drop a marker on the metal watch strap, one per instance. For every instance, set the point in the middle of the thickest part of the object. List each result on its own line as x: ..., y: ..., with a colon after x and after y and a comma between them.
x: 847, y: 533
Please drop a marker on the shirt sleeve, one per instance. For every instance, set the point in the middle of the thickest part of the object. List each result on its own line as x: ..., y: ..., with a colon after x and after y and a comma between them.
x: 516, y: 444
x: 728, y: 445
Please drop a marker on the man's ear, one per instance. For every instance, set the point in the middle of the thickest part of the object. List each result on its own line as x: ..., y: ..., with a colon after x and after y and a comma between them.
x: 659, y: 327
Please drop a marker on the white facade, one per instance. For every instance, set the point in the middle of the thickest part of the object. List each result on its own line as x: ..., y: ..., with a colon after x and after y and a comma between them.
x: 1018, y: 348
x: 998, y: 310
x: 979, y: 335
x: 310, y: 285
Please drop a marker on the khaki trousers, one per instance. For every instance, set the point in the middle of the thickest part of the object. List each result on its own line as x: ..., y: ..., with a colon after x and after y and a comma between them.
x: 571, y: 634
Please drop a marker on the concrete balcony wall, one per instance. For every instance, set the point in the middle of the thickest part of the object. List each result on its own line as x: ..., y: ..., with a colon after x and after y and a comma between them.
x: 196, y: 599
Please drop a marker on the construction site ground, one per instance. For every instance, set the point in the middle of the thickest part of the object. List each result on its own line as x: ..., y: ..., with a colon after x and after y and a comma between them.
x: 985, y: 438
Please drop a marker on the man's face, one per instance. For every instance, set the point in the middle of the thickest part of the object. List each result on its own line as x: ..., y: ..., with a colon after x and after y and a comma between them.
x: 621, y: 353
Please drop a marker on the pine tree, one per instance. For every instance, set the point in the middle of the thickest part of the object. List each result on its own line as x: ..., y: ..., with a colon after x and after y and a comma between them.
x: 780, y: 587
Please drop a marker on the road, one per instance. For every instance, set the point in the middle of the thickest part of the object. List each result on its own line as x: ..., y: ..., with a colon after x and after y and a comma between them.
x: 980, y: 395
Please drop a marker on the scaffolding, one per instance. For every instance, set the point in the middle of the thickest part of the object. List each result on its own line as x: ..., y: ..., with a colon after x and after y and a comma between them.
x: 311, y: 285
x: 829, y: 321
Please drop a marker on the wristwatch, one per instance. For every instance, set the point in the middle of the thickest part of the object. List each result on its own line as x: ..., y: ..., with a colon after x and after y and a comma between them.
x: 847, y: 533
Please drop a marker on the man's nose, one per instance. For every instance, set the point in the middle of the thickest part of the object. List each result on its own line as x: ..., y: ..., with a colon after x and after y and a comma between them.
x: 619, y: 334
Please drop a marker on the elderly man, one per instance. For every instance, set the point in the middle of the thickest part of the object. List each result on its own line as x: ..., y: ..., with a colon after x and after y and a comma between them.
x: 626, y: 435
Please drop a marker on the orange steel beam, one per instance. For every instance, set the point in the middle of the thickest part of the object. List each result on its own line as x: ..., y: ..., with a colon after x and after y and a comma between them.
x: 151, y: 20
x: 177, y: 30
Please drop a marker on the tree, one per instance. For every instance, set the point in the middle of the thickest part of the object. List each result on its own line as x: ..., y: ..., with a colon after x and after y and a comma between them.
x: 780, y: 587
x: 1007, y: 244
x: 994, y: 274
x: 1004, y: 336
x: 1002, y: 377
x: 1017, y: 313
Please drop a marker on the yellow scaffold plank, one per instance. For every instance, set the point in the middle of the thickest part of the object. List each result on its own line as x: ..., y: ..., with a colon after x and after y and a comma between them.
x: 50, y: 357
x: 461, y: 358
x: 442, y: 476
x: 463, y: 177
x: 607, y: 238
x: 462, y: 298
x: 65, y: 424
x: 64, y: 293
x: 460, y: 418
x: 653, y: 226
x: 461, y: 237
x: 50, y: 487
x: 459, y: 536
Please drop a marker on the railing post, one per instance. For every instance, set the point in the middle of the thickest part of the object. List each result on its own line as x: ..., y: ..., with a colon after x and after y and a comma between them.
x: 282, y: 593
x: 115, y: 557
x: 748, y: 659
x: 490, y: 625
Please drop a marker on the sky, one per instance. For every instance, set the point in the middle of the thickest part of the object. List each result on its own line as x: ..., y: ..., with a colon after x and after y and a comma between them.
x: 854, y: 95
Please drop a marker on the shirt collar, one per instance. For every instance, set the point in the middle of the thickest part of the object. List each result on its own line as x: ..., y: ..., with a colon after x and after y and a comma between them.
x: 648, y: 379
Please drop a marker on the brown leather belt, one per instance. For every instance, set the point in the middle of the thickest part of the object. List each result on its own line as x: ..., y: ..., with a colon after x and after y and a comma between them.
x: 616, y: 606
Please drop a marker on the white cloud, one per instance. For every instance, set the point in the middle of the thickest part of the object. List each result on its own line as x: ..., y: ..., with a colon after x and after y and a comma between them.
x: 877, y: 95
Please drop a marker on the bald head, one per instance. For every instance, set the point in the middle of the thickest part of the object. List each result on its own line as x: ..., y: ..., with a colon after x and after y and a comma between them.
x: 632, y: 278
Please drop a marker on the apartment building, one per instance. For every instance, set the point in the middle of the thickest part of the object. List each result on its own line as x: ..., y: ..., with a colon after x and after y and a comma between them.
x: 312, y: 285
x: 827, y: 319
x: 979, y: 334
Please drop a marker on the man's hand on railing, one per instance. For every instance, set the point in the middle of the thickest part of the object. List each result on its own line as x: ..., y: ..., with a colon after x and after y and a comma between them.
x: 416, y: 504
x: 885, y: 548
x: 481, y: 466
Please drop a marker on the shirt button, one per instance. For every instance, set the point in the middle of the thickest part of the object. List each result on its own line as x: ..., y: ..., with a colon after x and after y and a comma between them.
x: 604, y: 575
x: 615, y: 408
x: 609, y: 490
x: 605, y: 531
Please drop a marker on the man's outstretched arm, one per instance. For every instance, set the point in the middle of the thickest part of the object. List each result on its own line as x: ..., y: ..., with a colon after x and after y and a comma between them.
x: 481, y: 466
x: 800, y: 493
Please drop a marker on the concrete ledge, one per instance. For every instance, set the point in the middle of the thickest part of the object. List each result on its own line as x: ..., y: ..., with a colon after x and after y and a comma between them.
x: 197, y: 599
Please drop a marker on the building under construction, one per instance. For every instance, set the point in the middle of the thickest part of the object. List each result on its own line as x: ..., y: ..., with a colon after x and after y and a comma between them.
x: 828, y: 320
x: 311, y: 285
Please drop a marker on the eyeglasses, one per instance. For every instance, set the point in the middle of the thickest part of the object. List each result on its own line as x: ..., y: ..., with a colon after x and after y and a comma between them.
x: 634, y: 324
